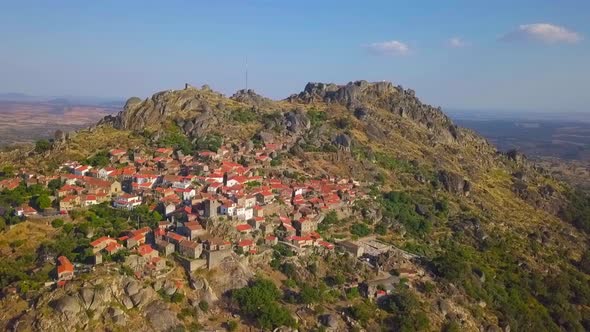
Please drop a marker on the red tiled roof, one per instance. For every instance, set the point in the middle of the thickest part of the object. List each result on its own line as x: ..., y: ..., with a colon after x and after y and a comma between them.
x: 117, y: 152
x: 112, y: 247
x: 100, y: 240
x: 325, y: 244
x: 245, y: 243
x: 175, y: 236
x: 145, y: 249
x: 193, y: 225
x: 243, y: 227
x: 188, y: 244
x: 64, y: 265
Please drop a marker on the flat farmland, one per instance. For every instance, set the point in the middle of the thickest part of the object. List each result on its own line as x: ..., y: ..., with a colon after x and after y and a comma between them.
x: 23, y: 122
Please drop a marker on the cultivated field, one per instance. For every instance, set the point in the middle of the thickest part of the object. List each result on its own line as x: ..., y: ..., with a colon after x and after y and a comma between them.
x: 25, y: 122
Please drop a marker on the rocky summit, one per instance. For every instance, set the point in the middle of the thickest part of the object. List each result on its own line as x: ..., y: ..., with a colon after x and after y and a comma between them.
x: 351, y: 207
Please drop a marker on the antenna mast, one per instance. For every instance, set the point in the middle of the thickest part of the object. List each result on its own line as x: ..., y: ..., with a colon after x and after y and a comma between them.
x: 246, y: 72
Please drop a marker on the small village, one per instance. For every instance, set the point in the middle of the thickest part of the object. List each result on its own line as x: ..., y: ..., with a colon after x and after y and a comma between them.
x: 211, y: 204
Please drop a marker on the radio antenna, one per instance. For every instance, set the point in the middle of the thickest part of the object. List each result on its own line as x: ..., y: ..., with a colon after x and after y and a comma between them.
x: 246, y: 72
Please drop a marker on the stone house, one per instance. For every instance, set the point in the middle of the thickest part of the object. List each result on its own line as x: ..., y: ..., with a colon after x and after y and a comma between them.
x: 190, y: 249
x: 164, y: 247
x: 305, y: 226
x: 65, y: 269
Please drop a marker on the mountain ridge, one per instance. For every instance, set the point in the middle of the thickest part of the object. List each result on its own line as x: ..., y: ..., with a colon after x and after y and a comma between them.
x: 493, y: 231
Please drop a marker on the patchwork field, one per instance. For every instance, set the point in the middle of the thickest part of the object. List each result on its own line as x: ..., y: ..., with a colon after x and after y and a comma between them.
x: 22, y: 122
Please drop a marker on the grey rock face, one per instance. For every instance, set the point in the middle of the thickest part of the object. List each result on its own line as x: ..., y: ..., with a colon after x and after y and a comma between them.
x: 143, y: 297
x: 59, y: 136
x: 266, y: 137
x: 330, y: 321
x: 361, y: 113
x: 132, y: 102
x: 132, y: 287
x: 296, y: 121
x: 117, y: 316
x: 67, y: 305
x: 348, y: 94
x: 126, y: 301
x: 161, y: 317
x: 454, y: 183
x: 169, y: 288
x: 343, y: 141
x: 250, y: 97
x: 516, y: 156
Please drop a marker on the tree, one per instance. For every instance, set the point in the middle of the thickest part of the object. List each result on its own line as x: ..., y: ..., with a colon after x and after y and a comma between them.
x: 258, y: 301
x: 54, y: 184
x: 100, y: 159
x: 309, y: 294
x: 204, y: 305
x: 43, y: 201
x: 42, y: 145
x: 585, y: 262
x: 360, y: 230
x: 7, y: 170
x: 408, y: 316
x: 177, y: 297
x: 363, y: 311
x: 232, y: 325
x: 57, y: 223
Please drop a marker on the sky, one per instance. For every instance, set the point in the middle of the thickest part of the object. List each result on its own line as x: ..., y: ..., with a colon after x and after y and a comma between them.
x: 528, y: 55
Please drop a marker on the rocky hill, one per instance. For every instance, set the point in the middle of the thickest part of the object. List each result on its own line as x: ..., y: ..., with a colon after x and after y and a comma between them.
x: 504, y: 245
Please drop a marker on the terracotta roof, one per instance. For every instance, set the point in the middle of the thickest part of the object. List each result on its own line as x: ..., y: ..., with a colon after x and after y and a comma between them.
x: 64, y: 265
x: 175, y: 236
x: 117, y: 152
x: 100, y: 240
x: 145, y: 249
x: 112, y: 247
x: 245, y: 243
x: 243, y: 227
x: 188, y: 244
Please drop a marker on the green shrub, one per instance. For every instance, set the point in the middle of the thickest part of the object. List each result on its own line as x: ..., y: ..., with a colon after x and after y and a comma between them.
x: 42, y: 145
x: 57, y: 223
x: 204, y: 305
x: 258, y: 301
x: 316, y: 117
x: 243, y: 115
x: 360, y: 229
x: 100, y: 159
x: 400, y: 206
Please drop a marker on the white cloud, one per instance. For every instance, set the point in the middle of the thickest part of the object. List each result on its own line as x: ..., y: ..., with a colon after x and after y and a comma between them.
x: 456, y: 42
x: 392, y: 47
x: 543, y: 32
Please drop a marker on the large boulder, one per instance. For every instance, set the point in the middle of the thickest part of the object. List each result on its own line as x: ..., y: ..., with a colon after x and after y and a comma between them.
x: 67, y: 305
x: 143, y: 297
x: 161, y: 317
x: 132, y: 287
x: 132, y: 102
x: 454, y: 183
x: 349, y: 94
x: 248, y: 96
x: 296, y: 121
x: 342, y: 141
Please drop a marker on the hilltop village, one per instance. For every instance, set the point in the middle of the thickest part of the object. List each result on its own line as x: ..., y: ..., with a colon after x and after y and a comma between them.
x: 212, y: 204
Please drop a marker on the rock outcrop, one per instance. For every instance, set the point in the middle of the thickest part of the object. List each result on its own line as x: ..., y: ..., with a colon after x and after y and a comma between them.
x: 454, y: 183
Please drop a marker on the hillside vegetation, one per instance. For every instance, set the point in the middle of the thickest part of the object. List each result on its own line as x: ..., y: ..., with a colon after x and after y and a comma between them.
x: 503, y: 242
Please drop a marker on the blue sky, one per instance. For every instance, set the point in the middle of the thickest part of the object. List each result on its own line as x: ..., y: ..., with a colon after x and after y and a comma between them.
x: 494, y: 55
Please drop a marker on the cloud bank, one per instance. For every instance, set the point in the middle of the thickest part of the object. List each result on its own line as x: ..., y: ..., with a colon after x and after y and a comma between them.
x: 456, y: 42
x: 391, y: 47
x: 542, y: 32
